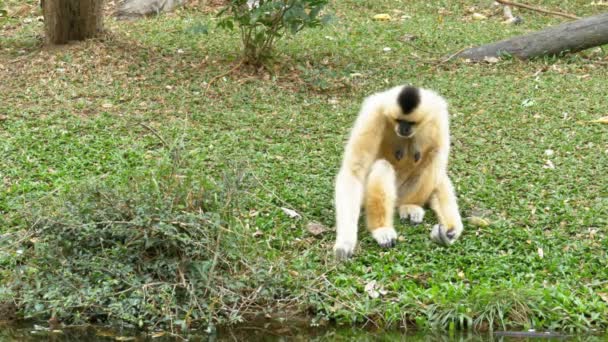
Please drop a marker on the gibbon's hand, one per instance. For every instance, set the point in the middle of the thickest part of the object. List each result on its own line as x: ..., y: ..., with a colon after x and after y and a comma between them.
x: 441, y: 236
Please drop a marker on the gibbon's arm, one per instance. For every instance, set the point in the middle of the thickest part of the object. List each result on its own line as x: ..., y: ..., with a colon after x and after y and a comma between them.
x: 360, y: 152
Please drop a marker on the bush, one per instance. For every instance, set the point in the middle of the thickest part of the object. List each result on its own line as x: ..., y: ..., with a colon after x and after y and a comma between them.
x: 263, y: 22
x: 159, y: 247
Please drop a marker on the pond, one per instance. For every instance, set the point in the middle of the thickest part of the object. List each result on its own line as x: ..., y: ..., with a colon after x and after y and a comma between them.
x: 266, y: 332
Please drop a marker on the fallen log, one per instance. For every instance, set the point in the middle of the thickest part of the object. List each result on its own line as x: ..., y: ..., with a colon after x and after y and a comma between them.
x: 568, y: 37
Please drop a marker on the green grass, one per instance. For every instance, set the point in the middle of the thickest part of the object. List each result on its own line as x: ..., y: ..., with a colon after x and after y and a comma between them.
x: 131, y: 193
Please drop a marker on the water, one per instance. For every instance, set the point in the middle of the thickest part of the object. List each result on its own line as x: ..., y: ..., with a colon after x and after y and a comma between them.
x: 265, y: 332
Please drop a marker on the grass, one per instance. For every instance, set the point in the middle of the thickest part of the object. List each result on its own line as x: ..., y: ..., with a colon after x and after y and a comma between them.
x: 133, y: 191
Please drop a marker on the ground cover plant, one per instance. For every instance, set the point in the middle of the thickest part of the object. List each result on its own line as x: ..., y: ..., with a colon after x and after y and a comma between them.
x: 147, y: 180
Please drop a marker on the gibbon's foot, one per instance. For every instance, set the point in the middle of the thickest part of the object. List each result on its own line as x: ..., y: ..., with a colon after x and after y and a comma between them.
x: 385, y: 236
x: 444, y: 237
x: 414, y: 212
x: 343, y: 250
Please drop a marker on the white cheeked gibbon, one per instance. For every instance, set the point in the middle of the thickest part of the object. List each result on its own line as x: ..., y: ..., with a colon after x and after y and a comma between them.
x: 396, y: 156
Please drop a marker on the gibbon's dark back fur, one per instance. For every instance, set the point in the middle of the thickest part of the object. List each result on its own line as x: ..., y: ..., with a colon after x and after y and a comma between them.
x: 408, y: 99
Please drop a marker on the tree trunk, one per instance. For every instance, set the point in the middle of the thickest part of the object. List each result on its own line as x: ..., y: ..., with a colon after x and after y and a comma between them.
x: 67, y: 20
x: 572, y: 36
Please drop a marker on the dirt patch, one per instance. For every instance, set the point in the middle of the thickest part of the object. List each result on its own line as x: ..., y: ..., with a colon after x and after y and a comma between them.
x: 8, y: 311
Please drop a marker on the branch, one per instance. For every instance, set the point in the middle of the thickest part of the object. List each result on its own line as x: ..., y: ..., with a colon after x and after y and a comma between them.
x: 505, y: 2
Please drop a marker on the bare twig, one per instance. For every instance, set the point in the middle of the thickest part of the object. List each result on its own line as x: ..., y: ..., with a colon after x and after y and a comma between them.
x: 155, y: 133
x: 561, y: 14
x: 222, y: 75
x: 448, y: 58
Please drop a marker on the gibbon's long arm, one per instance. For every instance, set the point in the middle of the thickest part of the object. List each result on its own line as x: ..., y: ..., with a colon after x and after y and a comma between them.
x: 360, y: 152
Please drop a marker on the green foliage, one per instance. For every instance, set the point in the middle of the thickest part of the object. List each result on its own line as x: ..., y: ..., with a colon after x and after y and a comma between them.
x: 3, y: 11
x: 75, y: 170
x: 263, y: 22
x: 156, y: 247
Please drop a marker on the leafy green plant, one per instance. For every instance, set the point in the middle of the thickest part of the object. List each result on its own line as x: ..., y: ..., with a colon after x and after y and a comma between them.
x: 3, y: 11
x: 263, y: 22
x: 155, y: 247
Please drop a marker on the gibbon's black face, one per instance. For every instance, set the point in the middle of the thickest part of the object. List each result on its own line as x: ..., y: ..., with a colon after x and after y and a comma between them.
x: 404, y: 129
x: 408, y: 100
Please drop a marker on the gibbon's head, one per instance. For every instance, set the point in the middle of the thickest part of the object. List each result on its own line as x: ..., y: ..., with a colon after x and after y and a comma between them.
x: 411, y: 107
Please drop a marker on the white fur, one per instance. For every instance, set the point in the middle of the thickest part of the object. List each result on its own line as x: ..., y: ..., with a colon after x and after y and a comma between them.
x: 414, y: 212
x: 349, y: 194
x: 385, y: 235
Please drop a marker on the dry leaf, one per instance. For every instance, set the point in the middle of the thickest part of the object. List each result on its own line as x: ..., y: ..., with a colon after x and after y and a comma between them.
x: 479, y: 16
x: 603, y: 120
x: 604, y: 296
x: 291, y: 213
x: 527, y: 103
x: 408, y: 38
x: 107, y: 105
x: 370, y: 288
x: 316, y: 228
x: 491, y: 60
x: 478, y: 221
x: 373, y: 291
x: 124, y: 338
x: 549, y: 165
x: 382, y: 17
x: 158, y: 334
x: 541, y: 254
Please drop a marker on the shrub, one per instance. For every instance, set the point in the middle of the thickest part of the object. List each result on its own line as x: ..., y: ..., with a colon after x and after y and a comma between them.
x: 158, y: 247
x: 263, y: 22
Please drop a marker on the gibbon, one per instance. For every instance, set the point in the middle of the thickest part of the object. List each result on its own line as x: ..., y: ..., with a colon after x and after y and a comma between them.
x: 396, y: 156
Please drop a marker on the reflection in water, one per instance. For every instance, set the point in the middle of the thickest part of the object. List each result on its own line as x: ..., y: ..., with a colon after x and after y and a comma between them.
x: 265, y: 332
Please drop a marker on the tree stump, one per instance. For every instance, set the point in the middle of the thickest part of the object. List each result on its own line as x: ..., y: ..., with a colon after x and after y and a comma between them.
x: 67, y: 20
x: 572, y: 37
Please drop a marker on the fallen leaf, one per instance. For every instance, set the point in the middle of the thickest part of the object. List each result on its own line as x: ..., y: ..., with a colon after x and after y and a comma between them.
x: 382, y: 17
x: 370, y: 288
x: 549, y: 165
x: 478, y: 221
x: 491, y: 60
x: 158, y: 334
x: 408, y: 38
x: 541, y: 254
x: 604, y: 296
x: 479, y: 16
x: 527, y: 103
x: 257, y: 233
x: 549, y: 152
x: 107, y: 105
x: 316, y: 228
x: 124, y: 338
x: 291, y: 213
x: 603, y: 120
